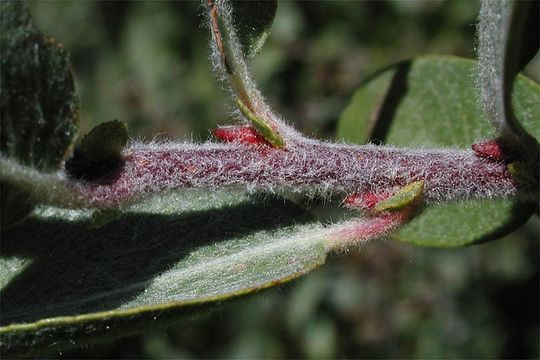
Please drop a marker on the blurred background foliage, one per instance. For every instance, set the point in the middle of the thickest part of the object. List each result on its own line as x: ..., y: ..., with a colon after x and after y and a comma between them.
x: 146, y: 63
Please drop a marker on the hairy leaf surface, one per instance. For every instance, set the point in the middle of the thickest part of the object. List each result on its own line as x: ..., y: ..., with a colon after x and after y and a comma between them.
x: 97, y: 276
x: 38, y: 119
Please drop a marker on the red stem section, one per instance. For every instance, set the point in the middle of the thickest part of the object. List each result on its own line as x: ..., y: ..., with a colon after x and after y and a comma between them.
x: 312, y: 168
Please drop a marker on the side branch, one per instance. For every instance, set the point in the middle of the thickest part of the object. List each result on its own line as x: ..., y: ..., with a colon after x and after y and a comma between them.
x: 228, y: 58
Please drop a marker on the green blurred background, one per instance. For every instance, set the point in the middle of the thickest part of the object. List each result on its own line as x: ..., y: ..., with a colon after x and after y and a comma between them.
x: 147, y: 63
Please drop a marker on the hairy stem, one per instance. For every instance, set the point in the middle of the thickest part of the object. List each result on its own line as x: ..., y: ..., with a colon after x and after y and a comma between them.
x: 500, y: 33
x: 312, y: 169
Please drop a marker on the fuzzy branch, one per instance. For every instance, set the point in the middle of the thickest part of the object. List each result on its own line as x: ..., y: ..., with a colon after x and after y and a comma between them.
x: 386, y: 184
x: 500, y: 34
x: 315, y: 169
x: 230, y: 62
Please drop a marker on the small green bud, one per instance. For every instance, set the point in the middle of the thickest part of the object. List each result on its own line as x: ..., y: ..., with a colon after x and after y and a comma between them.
x: 408, y: 195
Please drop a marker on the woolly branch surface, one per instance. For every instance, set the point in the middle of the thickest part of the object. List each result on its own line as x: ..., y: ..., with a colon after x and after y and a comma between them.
x: 313, y: 169
x: 500, y: 32
x: 494, y: 23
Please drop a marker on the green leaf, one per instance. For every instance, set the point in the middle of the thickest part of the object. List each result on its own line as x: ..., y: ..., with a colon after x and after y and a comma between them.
x: 526, y: 97
x: 408, y: 195
x: 158, y: 260
x: 106, y: 139
x: 252, y: 21
x: 431, y: 102
x: 38, y: 101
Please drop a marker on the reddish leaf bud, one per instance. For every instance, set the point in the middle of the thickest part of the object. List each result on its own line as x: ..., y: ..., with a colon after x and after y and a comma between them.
x: 491, y: 149
x: 241, y: 134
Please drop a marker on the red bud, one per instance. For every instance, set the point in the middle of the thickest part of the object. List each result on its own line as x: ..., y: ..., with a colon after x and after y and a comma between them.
x: 241, y: 134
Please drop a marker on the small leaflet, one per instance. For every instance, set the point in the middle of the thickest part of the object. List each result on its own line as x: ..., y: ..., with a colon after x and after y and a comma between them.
x: 408, y: 195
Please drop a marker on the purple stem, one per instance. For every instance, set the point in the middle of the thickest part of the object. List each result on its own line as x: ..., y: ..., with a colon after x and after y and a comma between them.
x: 313, y: 168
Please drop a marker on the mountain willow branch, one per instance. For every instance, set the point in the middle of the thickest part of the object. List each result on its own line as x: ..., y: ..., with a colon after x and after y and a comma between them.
x: 313, y: 168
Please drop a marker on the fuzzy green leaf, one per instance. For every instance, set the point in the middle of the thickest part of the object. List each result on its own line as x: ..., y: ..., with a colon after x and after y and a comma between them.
x: 144, y: 267
x: 106, y: 139
x: 39, y: 105
x: 252, y: 22
x: 408, y: 195
x: 432, y: 102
